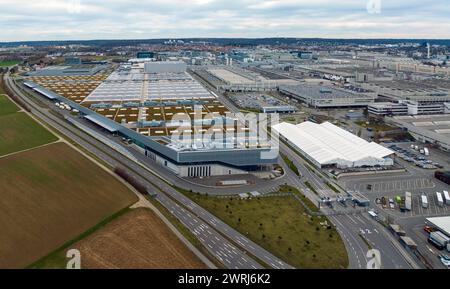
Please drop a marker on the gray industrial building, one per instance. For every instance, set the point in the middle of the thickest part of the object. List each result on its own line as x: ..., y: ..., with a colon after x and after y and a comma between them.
x: 318, y: 96
x: 165, y: 67
x: 68, y: 70
x: 432, y: 129
x: 186, y: 161
x: 420, y: 91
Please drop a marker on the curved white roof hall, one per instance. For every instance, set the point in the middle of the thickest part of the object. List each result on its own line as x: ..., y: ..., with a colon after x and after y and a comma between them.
x: 329, y: 144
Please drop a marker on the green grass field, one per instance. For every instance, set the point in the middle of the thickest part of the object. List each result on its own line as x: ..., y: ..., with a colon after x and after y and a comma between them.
x: 19, y: 132
x: 51, y: 195
x: 374, y: 126
x: 9, y: 63
x: 6, y: 106
x: 282, y: 226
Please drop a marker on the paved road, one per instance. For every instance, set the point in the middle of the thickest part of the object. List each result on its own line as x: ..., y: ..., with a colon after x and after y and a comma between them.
x: 356, y: 248
x: 207, y: 226
x: 349, y: 227
x: 195, y: 218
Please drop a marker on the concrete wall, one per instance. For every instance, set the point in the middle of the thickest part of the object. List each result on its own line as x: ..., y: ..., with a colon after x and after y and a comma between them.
x: 165, y: 67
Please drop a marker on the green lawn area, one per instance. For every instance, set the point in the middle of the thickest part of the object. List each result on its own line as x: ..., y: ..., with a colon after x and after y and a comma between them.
x: 291, y: 164
x: 9, y: 63
x: 375, y: 126
x: 282, y: 226
x: 19, y: 132
x: 6, y: 106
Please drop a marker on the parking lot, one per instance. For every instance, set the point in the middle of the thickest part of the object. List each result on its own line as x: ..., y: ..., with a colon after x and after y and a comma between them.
x: 417, y: 209
x: 434, y: 209
x: 416, y: 155
x: 392, y: 186
x: 414, y: 227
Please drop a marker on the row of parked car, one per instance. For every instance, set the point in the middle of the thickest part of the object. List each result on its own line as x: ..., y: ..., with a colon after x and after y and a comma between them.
x: 412, y: 157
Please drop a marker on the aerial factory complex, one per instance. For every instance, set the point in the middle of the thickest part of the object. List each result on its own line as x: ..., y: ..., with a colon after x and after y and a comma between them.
x: 226, y: 153
x: 166, y: 113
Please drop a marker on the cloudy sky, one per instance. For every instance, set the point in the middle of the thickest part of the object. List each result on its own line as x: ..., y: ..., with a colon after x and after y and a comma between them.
x: 143, y: 19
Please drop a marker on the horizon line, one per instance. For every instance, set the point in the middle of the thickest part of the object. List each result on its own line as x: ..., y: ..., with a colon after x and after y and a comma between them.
x: 249, y: 38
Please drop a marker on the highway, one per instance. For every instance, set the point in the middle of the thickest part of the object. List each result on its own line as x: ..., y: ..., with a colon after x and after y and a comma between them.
x: 353, y: 227
x: 209, y: 230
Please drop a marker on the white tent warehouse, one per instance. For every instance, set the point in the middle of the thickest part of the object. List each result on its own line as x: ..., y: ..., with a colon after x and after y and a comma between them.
x: 327, y: 145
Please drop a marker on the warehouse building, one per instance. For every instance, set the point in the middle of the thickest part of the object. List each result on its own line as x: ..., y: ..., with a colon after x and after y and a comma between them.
x: 165, y: 67
x: 146, y: 108
x: 68, y: 70
x: 327, y: 145
x: 419, y: 91
x: 234, y: 79
x: 318, y: 96
x: 431, y: 129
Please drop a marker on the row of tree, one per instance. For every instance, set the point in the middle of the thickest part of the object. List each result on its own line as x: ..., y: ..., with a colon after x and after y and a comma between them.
x: 141, y: 188
x: 12, y: 95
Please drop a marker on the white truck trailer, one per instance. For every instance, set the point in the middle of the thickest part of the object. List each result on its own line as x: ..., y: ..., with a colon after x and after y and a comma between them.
x: 408, y: 201
x: 440, y: 200
x: 424, y: 199
x: 439, y: 240
x: 447, y: 198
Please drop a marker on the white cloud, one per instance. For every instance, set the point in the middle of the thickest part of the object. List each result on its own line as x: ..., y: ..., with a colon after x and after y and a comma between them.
x: 121, y: 19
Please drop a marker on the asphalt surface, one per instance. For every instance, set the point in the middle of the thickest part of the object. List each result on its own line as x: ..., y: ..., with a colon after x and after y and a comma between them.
x: 392, y: 255
x: 200, y: 222
x: 211, y: 231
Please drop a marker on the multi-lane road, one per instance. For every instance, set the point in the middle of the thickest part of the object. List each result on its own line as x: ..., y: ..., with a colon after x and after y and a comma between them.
x: 223, y: 242
x: 358, y: 231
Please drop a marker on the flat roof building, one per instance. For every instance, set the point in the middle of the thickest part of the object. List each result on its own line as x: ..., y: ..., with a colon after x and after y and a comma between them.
x: 442, y: 223
x: 68, y: 70
x: 165, y: 67
x: 329, y: 97
x: 235, y: 79
x: 420, y: 91
x: 170, y: 118
x: 433, y: 129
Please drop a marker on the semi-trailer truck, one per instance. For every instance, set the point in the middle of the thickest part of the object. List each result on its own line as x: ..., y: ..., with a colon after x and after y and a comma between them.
x: 439, y: 240
x: 447, y: 198
x: 408, y: 201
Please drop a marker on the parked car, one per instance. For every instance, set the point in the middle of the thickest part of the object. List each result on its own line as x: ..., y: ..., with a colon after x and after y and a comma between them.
x: 445, y: 260
x: 428, y: 229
